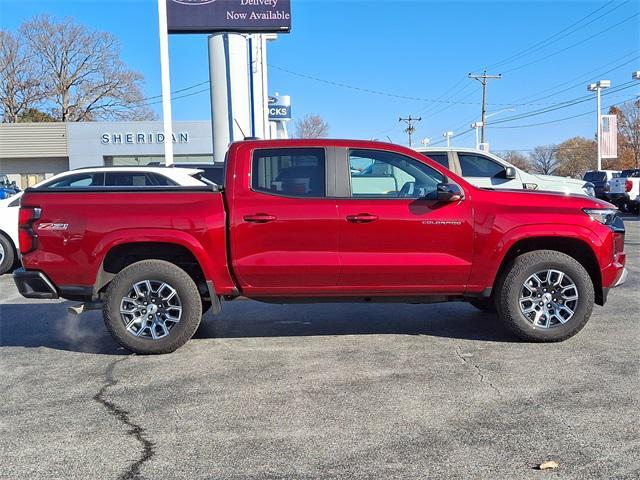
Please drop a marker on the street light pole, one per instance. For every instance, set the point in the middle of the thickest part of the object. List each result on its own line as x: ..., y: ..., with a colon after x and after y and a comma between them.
x: 448, y: 136
x: 597, y: 87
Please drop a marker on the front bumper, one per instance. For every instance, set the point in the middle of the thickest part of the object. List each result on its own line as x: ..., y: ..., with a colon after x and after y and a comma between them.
x: 34, y: 284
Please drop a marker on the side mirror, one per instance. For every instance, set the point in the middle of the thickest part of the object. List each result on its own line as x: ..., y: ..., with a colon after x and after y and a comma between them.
x: 449, y: 192
x: 510, y: 173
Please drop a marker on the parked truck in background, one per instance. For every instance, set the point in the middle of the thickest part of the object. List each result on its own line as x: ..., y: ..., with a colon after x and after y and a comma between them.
x: 601, y: 181
x: 624, y: 191
x: 319, y: 221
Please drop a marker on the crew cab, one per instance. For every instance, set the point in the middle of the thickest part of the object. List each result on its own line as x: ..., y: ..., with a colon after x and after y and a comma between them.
x: 624, y: 191
x: 319, y: 221
x: 484, y: 169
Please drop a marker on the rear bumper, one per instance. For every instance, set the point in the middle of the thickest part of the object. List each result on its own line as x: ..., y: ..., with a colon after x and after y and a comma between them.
x: 34, y: 284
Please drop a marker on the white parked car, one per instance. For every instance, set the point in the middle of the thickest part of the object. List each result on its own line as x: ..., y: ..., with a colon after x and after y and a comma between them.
x: 90, y: 177
x: 487, y: 170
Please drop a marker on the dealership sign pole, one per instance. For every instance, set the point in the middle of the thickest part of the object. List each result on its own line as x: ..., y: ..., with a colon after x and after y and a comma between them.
x: 166, y: 82
x: 231, y: 23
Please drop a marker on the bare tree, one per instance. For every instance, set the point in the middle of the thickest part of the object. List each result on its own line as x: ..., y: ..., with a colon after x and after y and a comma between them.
x: 84, y: 76
x: 543, y: 159
x: 628, y: 132
x: 518, y: 160
x: 20, y: 87
x: 311, y: 126
x: 575, y: 156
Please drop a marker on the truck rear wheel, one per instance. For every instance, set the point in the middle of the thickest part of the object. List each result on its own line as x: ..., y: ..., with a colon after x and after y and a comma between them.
x: 545, y: 296
x: 152, y: 307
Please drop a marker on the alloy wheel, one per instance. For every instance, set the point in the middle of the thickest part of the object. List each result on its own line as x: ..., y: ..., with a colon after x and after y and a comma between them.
x: 549, y: 298
x: 151, y: 309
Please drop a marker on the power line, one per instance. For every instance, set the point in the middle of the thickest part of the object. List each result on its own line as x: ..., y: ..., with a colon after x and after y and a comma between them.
x: 566, y: 104
x: 176, y: 91
x: 372, y: 91
x: 554, y: 38
x: 582, y: 78
x: 572, y: 45
x: 563, y: 119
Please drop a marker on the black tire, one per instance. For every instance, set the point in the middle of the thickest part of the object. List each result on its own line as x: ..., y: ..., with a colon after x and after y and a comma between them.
x: 510, y: 286
x: 161, y: 271
x: 487, y: 305
x: 8, y: 257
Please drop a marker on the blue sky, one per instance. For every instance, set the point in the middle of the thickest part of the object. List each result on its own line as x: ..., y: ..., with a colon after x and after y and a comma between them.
x: 418, y: 49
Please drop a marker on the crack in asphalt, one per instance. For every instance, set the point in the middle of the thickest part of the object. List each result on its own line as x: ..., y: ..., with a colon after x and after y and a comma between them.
x: 478, y: 371
x: 123, y: 416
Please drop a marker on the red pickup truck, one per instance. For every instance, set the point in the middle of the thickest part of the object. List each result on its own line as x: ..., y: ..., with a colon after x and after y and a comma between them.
x: 319, y: 221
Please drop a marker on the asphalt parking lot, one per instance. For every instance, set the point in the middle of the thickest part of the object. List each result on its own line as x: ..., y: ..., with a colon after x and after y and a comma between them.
x: 343, y: 391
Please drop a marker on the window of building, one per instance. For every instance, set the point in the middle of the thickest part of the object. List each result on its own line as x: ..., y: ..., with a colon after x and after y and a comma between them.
x: 295, y: 172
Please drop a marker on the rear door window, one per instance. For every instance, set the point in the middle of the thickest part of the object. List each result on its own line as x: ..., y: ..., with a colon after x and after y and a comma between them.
x: 78, y: 180
x: 136, y: 179
x: 473, y: 165
x: 293, y: 172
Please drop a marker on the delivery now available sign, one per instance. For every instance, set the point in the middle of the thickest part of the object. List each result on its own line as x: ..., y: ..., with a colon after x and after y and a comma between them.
x: 207, y: 16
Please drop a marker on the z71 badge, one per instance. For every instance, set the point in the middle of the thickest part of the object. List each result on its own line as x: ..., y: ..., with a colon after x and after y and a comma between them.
x: 53, y: 226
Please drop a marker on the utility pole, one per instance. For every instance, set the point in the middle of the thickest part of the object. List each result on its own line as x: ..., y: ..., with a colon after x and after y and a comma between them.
x: 410, y: 127
x: 483, y: 80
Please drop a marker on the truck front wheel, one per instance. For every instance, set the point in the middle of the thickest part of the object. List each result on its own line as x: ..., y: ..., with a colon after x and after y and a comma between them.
x: 152, y: 307
x: 545, y: 296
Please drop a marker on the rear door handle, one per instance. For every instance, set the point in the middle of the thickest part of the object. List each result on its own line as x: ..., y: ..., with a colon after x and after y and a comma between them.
x: 259, y: 218
x: 362, y: 218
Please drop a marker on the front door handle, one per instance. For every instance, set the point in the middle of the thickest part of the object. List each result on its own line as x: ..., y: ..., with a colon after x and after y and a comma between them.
x: 362, y: 218
x: 259, y: 218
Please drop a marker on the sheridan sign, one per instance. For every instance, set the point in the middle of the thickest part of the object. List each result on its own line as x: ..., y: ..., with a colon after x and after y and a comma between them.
x: 209, y: 16
x: 130, y: 138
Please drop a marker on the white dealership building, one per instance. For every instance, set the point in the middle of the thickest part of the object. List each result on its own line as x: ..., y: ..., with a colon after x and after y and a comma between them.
x: 31, y: 152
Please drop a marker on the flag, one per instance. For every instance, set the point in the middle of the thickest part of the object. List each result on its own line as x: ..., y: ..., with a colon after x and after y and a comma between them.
x: 609, y: 139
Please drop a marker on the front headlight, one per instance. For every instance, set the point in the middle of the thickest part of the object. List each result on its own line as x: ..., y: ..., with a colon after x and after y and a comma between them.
x: 605, y: 216
x: 589, y: 189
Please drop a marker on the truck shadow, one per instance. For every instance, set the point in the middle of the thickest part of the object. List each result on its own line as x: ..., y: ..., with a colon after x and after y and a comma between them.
x: 50, y: 326
x: 243, y: 319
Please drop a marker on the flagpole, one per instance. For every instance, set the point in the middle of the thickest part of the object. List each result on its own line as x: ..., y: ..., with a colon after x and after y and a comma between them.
x: 166, y: 82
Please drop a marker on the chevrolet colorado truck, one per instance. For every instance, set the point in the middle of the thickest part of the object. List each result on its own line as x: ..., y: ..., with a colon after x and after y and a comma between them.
x: 319, y: 221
